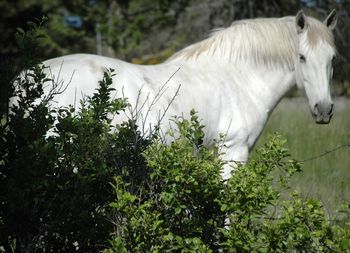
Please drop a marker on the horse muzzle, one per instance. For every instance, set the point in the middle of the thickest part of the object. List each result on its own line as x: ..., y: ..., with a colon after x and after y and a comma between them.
x: 323, y: 112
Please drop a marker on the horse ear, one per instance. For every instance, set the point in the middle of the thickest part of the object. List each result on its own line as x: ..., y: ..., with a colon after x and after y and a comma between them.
x: 300, y: 21
x: 331, y: 20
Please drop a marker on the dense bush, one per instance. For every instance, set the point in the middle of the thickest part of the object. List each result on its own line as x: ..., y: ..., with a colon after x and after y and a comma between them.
x: 186, y: 207
x: 56, y: 166
x: 69, y: 182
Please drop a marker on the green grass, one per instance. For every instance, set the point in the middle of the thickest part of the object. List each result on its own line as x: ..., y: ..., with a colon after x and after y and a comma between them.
x: 326, y: 178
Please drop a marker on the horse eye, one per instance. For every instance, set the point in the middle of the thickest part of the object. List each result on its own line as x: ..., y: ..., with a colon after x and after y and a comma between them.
x: 333, y: 59
x: 302, y: 58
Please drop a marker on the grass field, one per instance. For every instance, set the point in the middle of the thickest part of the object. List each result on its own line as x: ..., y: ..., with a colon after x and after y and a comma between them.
x: 326, y: 178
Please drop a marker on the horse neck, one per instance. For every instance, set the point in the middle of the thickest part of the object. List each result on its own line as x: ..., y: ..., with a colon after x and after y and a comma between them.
x: 269, y: 85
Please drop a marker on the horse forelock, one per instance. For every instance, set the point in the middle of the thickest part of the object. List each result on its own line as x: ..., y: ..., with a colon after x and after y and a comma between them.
x: 319, y: 32
x: 262, y: 41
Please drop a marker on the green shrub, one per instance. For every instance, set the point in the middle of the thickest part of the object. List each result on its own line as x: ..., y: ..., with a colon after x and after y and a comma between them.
x: 56, y: 168
x: 56, y: 164
x: 186, y: 207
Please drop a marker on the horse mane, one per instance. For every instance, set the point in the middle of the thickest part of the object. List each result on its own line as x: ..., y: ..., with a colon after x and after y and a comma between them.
x: 262, y: 41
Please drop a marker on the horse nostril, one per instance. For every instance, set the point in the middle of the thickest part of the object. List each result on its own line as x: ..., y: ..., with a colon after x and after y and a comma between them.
x: 316, y: 108
x: 331, y: 110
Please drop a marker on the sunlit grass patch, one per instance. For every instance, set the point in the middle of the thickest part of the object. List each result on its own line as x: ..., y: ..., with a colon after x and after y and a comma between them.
x: 324, y: 177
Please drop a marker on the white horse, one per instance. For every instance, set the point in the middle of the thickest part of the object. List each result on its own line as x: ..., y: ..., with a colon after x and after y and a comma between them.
x: 234, y: 78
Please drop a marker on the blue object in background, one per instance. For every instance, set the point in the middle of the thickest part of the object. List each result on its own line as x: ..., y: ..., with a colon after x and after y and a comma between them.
x: 91, y: 2
x: 73, y: 21
x: 309, y: 3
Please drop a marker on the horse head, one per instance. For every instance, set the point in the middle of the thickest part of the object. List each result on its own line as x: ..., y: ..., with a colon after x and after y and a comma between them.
x: 313, y: 66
